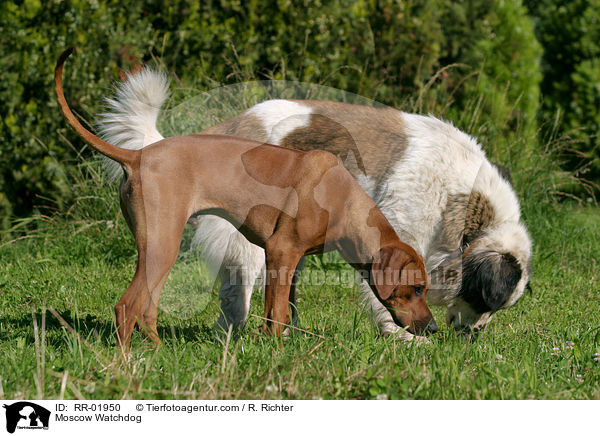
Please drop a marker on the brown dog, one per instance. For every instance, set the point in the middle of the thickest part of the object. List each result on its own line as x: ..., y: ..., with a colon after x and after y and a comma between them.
x: 291, y: 203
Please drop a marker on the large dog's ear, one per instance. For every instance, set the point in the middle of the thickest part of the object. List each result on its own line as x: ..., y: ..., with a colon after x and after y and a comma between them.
x: 488, y: 279
x: 386, y: 270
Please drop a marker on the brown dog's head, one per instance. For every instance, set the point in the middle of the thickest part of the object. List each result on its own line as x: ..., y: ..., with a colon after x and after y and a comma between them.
x: 399, y: 279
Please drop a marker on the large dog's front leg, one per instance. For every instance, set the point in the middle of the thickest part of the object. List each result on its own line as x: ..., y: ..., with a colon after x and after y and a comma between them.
x: 381, y: 316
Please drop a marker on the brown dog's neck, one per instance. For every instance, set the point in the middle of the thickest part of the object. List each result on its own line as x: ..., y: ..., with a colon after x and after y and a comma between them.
x: 367, y: 232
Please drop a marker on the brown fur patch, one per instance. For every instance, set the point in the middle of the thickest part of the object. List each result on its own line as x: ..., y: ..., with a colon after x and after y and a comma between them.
x: 244, y: 125
x: 271, y: 165
x: 379, y: 144
x: 371, y: 149
x: 480, y: 213
x: 331, y: 136
x: 453, y: 223
x: 465, y: 217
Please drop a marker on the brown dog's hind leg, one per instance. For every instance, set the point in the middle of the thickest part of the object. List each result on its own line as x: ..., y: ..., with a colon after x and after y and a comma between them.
x: 150, y: 313
x: 158, y: 247
x: 129, y: 306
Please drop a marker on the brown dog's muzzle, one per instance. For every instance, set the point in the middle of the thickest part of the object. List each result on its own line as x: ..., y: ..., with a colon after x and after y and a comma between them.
x: 415, y: 326
x: 421, y: 327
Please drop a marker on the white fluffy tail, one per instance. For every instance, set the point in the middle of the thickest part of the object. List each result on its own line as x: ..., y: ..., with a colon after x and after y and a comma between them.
x: 130, y: 118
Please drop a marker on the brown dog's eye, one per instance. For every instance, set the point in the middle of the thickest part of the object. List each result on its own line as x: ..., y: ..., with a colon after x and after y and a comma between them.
x: 418, y: 290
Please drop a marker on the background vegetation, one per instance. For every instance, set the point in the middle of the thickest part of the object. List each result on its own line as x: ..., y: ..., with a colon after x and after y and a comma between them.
x: 466, y: 54
x: 569, y: 33
x: 523, y: 78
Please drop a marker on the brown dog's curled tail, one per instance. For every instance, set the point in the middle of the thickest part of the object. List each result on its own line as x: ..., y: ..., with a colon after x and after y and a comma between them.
x: 121, y: 155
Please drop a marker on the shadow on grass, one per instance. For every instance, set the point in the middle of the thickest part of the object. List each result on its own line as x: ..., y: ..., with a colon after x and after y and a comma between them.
x: 187, y: 333
x: 95, y: 330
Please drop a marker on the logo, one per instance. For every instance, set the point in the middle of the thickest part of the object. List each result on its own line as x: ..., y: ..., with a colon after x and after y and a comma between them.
x: 26, y: 415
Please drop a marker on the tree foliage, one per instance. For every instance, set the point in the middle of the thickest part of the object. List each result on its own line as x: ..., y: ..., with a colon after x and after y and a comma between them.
x: 570, y: 35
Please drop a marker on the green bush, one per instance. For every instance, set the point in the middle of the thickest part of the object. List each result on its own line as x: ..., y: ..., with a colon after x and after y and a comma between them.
x: 35, y: 145
x: 570, y: 34
x: 506, y: 56
x: 395, y: 52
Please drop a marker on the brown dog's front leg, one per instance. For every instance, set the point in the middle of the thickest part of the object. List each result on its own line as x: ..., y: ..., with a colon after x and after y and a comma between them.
x: 277, y: 293
x: 281, y: 264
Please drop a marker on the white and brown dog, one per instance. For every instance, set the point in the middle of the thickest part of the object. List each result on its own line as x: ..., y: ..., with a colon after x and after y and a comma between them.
x: 432, y: 181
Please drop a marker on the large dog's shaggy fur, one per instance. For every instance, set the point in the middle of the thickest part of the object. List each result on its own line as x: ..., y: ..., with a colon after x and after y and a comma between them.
x: 432, y: 181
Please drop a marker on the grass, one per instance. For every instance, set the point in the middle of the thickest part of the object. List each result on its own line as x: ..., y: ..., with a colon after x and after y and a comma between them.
x: 62, y: 273
x: 57, y: 337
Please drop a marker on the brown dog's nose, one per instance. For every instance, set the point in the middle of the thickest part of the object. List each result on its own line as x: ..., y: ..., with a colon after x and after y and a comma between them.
x: 424, y: 327
x: 432, y: 326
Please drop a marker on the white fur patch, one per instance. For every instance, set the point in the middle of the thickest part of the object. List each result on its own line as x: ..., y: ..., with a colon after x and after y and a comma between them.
x: 439, y: 160
x: 240, y: 263
x: 367, y: 183
x: 130, y: 119
x: 498, y: 192
x: 281, y: 117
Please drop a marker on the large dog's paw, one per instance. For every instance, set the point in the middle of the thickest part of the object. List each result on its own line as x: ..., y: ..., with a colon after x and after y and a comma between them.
x: 408, y: 339
x: 418, y: 341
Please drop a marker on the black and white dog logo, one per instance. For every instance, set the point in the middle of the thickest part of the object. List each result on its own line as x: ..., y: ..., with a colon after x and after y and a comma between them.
x: 26, y: 415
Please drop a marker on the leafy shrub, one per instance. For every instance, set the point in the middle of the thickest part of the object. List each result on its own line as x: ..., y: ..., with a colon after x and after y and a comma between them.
x: 506, y: 55
x: 36, y: 146
x: 569, y: 32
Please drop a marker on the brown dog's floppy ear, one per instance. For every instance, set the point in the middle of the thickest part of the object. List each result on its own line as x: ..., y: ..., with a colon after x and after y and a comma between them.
x: 386, y: 270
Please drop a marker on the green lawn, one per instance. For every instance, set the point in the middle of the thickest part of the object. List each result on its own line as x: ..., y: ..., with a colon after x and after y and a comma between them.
x: 79, y: 264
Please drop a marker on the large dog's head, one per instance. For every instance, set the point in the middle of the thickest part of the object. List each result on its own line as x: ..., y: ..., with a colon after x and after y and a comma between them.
x: 400, y: 281
x: 483, y: 261
x: 495, y: 273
